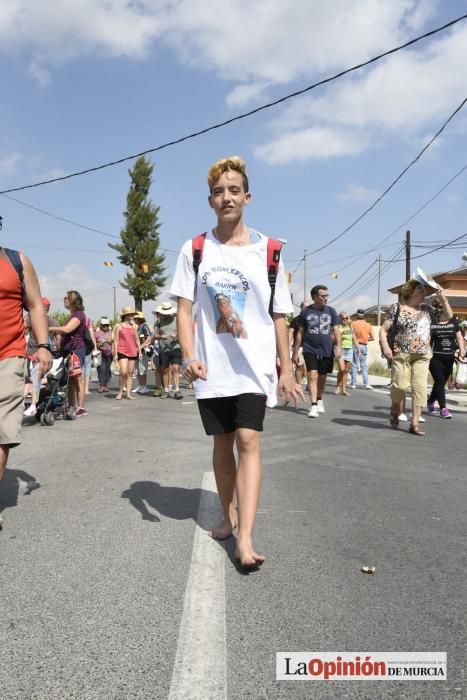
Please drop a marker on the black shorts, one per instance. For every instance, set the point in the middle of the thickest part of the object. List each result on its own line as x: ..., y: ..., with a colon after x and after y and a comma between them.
x: 228, y: 413
x: 324, y: 365
x: 172, y: 357
x: 121, y: 356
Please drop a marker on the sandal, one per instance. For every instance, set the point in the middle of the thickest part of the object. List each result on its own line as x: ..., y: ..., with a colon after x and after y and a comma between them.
x: 415, y: 430
x: 394, y: 420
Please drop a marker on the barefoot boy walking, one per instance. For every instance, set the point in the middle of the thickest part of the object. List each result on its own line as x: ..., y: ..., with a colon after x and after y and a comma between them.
x: 232, y: 358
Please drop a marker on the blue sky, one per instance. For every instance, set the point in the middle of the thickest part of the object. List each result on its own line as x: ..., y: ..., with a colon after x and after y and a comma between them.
x: 94, y: 81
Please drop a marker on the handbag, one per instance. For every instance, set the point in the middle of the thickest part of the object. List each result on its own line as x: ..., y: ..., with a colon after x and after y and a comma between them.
x: 461, y: 376
x: 96, y: 359
x: 392, y: 332
x: 88, y: 341
x: 74, y: 367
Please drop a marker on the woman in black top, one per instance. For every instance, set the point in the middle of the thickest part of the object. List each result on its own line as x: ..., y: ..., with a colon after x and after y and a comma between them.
x: 446, y: 339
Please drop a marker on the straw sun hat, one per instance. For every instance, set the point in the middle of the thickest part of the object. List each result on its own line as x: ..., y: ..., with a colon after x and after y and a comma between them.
x: 127, y: 311
x: 166, y: 309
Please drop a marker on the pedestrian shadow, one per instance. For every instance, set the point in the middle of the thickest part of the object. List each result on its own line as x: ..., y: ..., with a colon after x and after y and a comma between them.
x: 383, y: 414
x: 14, y: 483
x: 170, y: 501
x: 351, y: 423
x: 290, y: 408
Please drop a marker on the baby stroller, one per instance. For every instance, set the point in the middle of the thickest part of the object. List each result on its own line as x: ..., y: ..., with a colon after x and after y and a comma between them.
x: 53, y: 396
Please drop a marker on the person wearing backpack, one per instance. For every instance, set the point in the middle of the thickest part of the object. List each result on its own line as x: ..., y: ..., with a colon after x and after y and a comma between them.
x: 232, y: 357
x: 19, y: 289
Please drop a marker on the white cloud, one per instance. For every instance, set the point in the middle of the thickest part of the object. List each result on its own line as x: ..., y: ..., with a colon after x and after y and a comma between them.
x: 243, y: 94
x: 399, y: 97
x: 9, y: 164
x: 266, y: 44
x: 318, y: 142
x: 356, y: 193
x: 40, y: 74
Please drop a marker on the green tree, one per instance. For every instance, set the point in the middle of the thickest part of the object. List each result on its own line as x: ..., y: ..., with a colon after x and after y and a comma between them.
x: 139, y: 249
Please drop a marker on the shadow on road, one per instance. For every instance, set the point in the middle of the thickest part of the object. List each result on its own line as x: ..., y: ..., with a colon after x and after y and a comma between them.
x: 14, y: 482
x: 349, y: 423
x: 171, y: 501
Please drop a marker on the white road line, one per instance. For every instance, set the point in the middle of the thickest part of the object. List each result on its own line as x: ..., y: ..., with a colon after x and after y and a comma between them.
x: 200, y: 671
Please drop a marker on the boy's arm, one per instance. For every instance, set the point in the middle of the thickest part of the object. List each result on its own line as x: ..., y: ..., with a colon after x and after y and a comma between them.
x: 192, y: 367
x: 287, y: 387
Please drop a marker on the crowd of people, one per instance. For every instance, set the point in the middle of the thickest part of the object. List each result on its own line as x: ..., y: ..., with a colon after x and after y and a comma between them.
x: 240, y: 354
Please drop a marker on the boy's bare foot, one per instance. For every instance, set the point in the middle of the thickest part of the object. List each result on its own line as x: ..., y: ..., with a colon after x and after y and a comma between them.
x: 118, y: 397
x: 223, y: 529
x: 247, y: 556
x: 131, y: 398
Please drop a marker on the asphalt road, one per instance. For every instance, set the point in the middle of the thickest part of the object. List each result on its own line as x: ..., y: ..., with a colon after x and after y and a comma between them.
x: 103, y: 529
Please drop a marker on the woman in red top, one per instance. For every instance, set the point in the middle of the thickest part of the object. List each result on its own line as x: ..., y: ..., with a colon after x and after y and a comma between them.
x: 126, y: 350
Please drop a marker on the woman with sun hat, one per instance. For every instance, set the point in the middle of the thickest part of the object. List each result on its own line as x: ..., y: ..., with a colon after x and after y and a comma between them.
x: 126, y: 350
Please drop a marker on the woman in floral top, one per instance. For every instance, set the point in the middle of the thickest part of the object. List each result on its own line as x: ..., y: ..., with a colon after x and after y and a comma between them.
x: 411, y: 349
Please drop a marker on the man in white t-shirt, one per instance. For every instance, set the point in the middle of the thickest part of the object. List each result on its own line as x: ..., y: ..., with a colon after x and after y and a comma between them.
x: 232, y: 357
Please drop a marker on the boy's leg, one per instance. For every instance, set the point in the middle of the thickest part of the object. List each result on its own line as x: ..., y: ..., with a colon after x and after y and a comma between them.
x: 4, y: 450
x: 321, y: 384
x: 354, y: 367
x: 225, y: 471
x: 248, y: 486
x: 363, y: 364
x: 313, y: 384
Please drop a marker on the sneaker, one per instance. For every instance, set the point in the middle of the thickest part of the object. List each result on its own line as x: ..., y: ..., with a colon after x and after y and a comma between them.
x: 136, y: 390
x: 403, y: 418
x: 31, y: 411
x: 321, y: 406
x: 144, y: 390
x: 158, y: 393
x: 313, y: 412
x: 353, y: 386
x: 81, y: 412
x: 367, y: 386
x: 444, y: 413
x: 178, y: 395
x: 165, y: 395
x: 421, y: 420
x: 431, y: 407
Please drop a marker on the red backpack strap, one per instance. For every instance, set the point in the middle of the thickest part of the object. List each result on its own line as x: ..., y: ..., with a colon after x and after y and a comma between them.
x: 197, y: 247
x: 273, y: 258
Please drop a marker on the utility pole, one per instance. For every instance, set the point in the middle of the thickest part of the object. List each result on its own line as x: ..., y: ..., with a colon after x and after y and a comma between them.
x: 378, y: 317
x: 304, y: 273
x: 407, y: 255
x: 114, y: 289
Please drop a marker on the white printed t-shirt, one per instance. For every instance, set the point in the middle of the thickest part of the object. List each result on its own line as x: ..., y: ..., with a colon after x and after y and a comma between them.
x: 234, y: 333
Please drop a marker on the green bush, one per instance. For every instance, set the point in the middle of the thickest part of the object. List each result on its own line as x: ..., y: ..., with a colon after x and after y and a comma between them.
x: 379, y: 368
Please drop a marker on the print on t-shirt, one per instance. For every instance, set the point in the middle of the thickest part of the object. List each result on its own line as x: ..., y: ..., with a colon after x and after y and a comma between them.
x: 227, y: 288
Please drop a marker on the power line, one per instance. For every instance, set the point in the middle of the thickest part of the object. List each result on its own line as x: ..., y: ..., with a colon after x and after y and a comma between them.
x: 410, y: 218
x: 69, y: 221
x: 238, y: 117
x: 371, y: 279
x: 412, y: 162
x: 445, y: 245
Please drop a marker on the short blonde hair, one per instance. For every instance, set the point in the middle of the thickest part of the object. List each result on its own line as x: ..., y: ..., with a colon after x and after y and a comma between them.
x: 408, y: 289
x: 221, y: 166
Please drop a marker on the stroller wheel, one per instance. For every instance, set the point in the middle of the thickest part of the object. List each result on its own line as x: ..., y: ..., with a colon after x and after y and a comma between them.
x: 70, y: 414
x: 47, y: 419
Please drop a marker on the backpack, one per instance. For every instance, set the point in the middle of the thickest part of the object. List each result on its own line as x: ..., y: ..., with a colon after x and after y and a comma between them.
x: 272, y: 265
x: 15, y: 260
